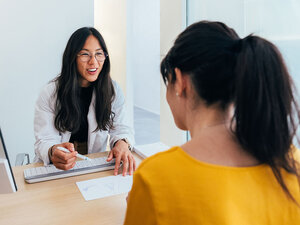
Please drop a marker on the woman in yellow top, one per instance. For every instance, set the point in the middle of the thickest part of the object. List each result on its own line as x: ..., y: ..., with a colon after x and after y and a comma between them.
x: 235, y: 97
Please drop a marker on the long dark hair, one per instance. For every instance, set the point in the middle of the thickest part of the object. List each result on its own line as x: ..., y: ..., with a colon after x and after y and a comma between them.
x: 67, y: 110
x: 251, y: 74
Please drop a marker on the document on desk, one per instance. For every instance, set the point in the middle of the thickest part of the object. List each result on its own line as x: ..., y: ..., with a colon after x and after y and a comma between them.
x: 104, y: 187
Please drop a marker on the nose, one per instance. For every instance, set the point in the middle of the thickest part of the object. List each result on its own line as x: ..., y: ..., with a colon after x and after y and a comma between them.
x: 93, y: 60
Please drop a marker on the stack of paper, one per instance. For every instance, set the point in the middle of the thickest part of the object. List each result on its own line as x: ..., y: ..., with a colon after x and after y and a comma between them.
x: 150, y: 149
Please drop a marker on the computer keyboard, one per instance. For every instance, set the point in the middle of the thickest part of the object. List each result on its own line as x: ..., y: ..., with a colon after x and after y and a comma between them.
x: 43, y: 173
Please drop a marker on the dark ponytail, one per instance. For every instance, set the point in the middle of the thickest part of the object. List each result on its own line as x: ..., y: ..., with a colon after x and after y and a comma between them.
x: 250, y: 74
x: 264, y: 106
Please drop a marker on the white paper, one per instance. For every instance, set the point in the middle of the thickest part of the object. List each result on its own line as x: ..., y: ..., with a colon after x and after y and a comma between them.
x: 105, y: 186
x: 150, y: 149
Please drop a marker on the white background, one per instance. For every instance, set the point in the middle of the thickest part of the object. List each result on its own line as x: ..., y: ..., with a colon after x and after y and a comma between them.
x: 275, y: 20
x: 144, y: 49
x: 33, y: 36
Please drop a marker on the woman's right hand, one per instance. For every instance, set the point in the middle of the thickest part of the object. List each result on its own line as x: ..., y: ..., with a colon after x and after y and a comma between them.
x: 63, y: 160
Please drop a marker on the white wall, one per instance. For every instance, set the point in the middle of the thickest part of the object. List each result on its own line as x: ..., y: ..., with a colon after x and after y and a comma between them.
x: 172, y: 22
x: 143, y: 49
x: 274, y: 19
x: 230, y: 12
x: 111, y: 20
x: 33, y: 36
x: 138, y: 33
x: 131, y: 31
x: 277, y: 21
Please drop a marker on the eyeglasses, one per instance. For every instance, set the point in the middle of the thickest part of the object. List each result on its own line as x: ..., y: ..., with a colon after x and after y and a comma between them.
x: 86, y: 56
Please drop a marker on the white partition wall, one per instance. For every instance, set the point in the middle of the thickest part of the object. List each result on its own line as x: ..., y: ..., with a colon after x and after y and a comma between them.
x: 172, y: 22
x: 33, y: 37
x: 230, y: 12
x: 131, y: 31
x: 138, y: 33
x: 111, y: 19
x: 143, y: 51
x: 275, y: 20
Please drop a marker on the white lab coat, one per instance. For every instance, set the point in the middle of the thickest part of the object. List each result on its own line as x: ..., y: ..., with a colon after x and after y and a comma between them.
x: 46, y: 135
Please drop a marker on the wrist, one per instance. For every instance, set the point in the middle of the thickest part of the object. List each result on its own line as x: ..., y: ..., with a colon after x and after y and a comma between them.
x: 130, y: 148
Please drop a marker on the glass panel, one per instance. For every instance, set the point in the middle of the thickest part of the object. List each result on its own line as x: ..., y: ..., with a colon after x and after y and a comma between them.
x: 143, y: 58
x: 275, y: 20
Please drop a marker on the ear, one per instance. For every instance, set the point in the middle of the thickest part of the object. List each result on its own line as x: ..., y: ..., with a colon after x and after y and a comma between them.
x: 181, y: 82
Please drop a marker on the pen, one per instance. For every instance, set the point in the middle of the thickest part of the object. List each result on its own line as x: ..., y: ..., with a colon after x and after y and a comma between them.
x: 78, y: 155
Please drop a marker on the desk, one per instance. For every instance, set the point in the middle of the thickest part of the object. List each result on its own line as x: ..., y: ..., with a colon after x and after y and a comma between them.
x: 60, y: 201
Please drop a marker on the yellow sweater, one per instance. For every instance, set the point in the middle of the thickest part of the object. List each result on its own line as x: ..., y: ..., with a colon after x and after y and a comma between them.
x: 173, y: 188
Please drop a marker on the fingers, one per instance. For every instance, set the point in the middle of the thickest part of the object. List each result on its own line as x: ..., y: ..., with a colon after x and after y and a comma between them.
x: 118, y: 161
x: 134, y: 163
x: 130, y: 160
x: 63, y: 166
x: 64, y: 160
x: 110, y: 156
x: 128, y: 164
x: 121, y: 153
x: 69, y: 146
x: 61, y: 160
x: 125, y: 165
x: 64, y: 155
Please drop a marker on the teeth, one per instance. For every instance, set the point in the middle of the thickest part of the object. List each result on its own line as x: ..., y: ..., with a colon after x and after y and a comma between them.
x: 92, y: 70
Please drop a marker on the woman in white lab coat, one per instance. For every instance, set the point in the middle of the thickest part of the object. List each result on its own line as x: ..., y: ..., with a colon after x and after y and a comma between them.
x: 83, y: 108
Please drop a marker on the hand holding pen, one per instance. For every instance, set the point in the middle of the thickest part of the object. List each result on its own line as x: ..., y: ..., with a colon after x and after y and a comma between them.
x: 61, y: 159
x: 78, y: 155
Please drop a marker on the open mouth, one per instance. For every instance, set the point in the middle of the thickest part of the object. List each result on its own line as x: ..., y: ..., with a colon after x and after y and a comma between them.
x: 92, y: 70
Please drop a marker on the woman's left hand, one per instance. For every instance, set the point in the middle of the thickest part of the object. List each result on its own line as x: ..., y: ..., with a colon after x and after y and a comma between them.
x: 121, y: 152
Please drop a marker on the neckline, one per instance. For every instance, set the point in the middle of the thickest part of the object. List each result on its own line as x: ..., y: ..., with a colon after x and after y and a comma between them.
x: 88, y: 87
x: 217, y: 166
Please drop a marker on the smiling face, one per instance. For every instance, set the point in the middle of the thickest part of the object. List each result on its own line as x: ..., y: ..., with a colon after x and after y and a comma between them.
x: 89, y: 70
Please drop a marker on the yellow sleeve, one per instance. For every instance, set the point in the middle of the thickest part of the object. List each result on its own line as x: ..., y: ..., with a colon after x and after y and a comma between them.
x: 140, y: 207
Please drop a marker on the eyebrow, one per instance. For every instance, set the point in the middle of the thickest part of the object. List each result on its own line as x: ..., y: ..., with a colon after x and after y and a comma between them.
x: 88, y: 50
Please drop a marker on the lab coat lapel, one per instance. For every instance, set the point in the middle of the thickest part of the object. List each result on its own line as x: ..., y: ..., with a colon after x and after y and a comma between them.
x: 92, y: 124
